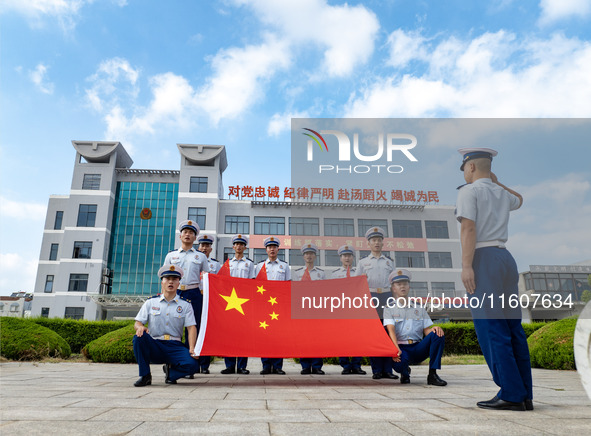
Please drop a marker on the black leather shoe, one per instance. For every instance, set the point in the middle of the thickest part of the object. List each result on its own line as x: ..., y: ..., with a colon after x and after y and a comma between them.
x: 404, y: 380
x: 190, y: 376
x: 435, y: 380
x: 243, y: 371
x: 306, y: 371
x: 205, y: 371
x: 497, y: 404
x: 144, y: 380
x: 229, y: 370
x: 266, y: 371
x: 358, y: 371
x: 529, y: 404
x: 390, y: 376
x: 377, y: 376
x: 318, y: 371
x: 167, y: 380
x: 346, y: 371
x: 278, y: 371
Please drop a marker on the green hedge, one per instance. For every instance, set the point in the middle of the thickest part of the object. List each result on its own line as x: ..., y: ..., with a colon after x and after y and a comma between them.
x: 78, y: 333
x: 22, y: 339
x: 552, y: 347
x: 114, y: 347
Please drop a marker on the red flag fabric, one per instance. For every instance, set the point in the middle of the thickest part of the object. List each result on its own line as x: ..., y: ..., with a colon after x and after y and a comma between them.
x: 225, y: 269
x: 306, y: 275
x: 246, y: 317
x: 262, y: 275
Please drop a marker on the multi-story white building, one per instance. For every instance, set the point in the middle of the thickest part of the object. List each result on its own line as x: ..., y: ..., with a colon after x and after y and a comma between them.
x: 104, y: 242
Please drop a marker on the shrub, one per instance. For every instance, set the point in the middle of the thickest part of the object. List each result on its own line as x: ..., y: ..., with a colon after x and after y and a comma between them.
x: 114, y: 347
x: 22, y: 339
x: 551, y: 347
x: 78, y: 333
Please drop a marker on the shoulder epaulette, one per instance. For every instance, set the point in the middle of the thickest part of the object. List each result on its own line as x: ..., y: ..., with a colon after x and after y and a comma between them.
x: 461, y: 186
x: 215, y: 260
x: 184, y: 299
x: 155, y: 296
x: 319, y: 269
x: 299, y: 269
x: 247, y: 258
x: 387, y: 257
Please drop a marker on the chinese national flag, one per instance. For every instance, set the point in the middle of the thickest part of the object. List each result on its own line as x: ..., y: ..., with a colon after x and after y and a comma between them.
x: 246, y: 317
x: 225, y: 269
x: 262, y: 275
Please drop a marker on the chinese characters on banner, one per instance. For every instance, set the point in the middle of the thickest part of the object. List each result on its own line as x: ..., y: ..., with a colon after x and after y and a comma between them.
x: 317, y: 194
x: 334, y: 242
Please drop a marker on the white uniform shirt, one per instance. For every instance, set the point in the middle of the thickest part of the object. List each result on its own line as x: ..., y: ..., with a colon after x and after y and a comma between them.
x: 341, y: 273
x: 166, y: 317
x: 377, y: 270
x: 214, y: 265
x: 488, y: 205
x: 409, y: 322
x: 242, y: 268
x: 315, y: 274
x: 276, y: 270
x: 192, y: 262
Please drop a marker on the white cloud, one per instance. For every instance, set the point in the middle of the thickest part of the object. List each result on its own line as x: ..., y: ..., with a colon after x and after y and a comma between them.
x: 493, y: 75
x: 282, y: 122
x: 554, y: 10
x: 39, y: 77
x: 24, y: 280
x: 405, y: 47
x: 22, y: 210
x: 114, y: 78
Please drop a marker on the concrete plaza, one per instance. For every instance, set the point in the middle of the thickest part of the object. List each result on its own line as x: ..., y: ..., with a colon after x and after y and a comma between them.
x: 93, y: 398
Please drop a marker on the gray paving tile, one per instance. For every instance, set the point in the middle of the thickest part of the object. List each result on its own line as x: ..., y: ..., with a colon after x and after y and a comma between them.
x: 220, y: 404
x: 48, y: 414
x: 193, y: 428
x: 327, y: 429
x: 485, y: 428
x: 382, y: 415
x: 66, y: 428
x: 229, y: 415
x: 313, y: 404
x: 168, y: 415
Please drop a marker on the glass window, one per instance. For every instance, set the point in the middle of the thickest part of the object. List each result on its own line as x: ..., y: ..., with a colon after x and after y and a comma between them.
x: 332, y: 258
x: 74, y: 312
x: 441, y: 289
x: 48, y: 283
x: 269, y: 225
x: 363, y: 225
x: 91, y: 181
x: 82, y: 250
x: 45, y: 312
x: 410, y: 259
x: 296, y: 258
x: 53, y: 251
x: 566, y: 282
x: 86, y: 215
x: 59, y: 216
x: 237, y: 225
x: 197, y: 214
x: 419, y: 289
x: 407, y: 228
x: 78, y: 283
x: 198, y: 184
x: 14, y: 307
x: 260, y: 254
x: 436, y: 229
x: 229, y: 253
x: 439, y: 259
x: 539, y: 282
x: 552, y: 282
x: 304, y: 226
x: 339, y: 227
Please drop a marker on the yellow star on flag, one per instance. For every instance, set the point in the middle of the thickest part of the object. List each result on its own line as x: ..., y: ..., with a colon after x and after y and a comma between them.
x: 260, y: 290
x: 234, y: 302
x: 273, y: 301
x: 274, y: 315
x: 263, y: 324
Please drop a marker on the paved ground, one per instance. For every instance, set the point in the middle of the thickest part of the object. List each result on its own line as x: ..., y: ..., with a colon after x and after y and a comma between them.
x: 92, y: 398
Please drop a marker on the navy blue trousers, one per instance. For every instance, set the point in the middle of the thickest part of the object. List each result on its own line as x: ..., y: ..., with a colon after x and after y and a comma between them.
x: 196, y: 299
x: 411, y: 354
x: 380, y: 365
x: 149, y: 350
x: 500, y: 333
x: 231, y: 362
x: 311, y: 362
x: 353, y: 363
x: 272, y: 363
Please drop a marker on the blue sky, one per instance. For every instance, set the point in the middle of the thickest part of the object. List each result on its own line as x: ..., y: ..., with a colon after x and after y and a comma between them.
x: 151, y: 74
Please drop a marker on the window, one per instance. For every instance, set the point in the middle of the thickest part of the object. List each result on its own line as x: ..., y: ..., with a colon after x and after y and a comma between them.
x: 74, y: 312
x: 237, y: 225
x: 82, y: 250
x: 86, y: 215
x: 439, y: 259
x: 407, y: 228
x: 364, y: 225
x: 419, y: 289
x: 339, y: 227
x: 441, y: 289
x: 48, y: 284
x: 260, y: 254
x: 197, y: 214
x: 53, y: 251
x: 410, y: 259
x: 78, y: 283
x: 304, y: 227
x: 296, y: 258
x: 198, y: 184
x: 332, y: 258
x: 269, y: 225
x: 436, y: 229
x: 14, y: 307
x: 45, y: 312
x: 229, y: 253
x: 91, y: 181
x: 59, y: 216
